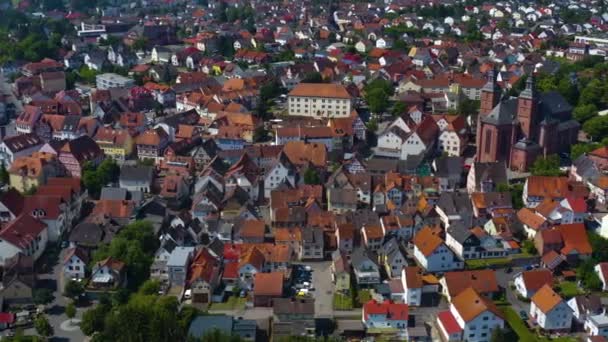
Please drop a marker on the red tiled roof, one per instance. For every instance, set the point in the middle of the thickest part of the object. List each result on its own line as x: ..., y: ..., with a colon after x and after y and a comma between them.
x: 268, y: 284
x: 449, y: 323
x: 22, y: 231
x: 392, y: 311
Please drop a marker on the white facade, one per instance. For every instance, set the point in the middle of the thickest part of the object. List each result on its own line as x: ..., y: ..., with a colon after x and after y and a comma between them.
x: 35, y: 248
x: 275, y: 177
x: 74, y: 268
x: 558, y: 318
x: 411, y: 296
x: 597, y: 325
x: 479, y: 329
x: 450, y: 143
x: 441, y: 259
x: 412, y: 146
x: 602, y: 276
x: 319, y: 107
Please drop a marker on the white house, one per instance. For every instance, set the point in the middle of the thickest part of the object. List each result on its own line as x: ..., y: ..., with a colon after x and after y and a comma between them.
x: 550, y: 311
x: 597, y: 325
x: 432, y: 253
x: 471, y: 317
x: 251, y: 263
x: 602, y: 272
x: 280, y: 173
x: 411, y: 280
x: 74, y: 263
x: 25, y: 235
x: 528, y: 282
x: 17, y: 146
x: 386, y: 315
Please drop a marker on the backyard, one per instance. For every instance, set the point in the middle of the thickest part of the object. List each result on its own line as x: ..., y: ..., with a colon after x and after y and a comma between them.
x: 523, y: 333
x: 233, y: 303
x: 568, y: 289
x: 342, y: 302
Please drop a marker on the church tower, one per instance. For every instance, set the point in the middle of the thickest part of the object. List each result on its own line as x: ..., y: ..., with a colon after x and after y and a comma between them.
x: 527, y: 110
x: 490, y: 95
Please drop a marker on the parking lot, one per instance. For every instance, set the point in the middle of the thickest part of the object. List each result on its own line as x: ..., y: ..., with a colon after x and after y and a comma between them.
x: 324, y: 289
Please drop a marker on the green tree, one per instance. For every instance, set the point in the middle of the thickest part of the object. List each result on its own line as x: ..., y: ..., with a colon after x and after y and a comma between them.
x: 377, y: 94
x: 579, y: 149
x: 43, y: 327
x: 149, y: 287
x: 584, y: 112
x: 260, y: 134
x: 546, y: 166
x: 599, y: 245
x: 499, y: 335
x: 73, y: 289
x: 468, y: 107
x: 597, y: 127
x: 516, y: 191
x: 311, y: 176
x: 585, y: 272
x: 399, y: 108
x: 70, y: 310
x: 43, y: 296
x: 529, y: 248
x: 4, y: 176
x: 593, y: 93
x: 94, y: 318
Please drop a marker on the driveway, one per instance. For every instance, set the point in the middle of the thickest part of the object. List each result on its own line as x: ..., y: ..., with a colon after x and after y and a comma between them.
x: 504, y: 281
x: 324, y: 289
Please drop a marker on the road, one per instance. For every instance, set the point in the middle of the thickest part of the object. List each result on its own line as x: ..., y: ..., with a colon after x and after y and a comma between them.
x: 504, y: 280
x: 324, y: 289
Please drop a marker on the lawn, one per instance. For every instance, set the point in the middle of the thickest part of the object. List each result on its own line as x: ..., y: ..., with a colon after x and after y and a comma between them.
x: 233, y: 303
x: 568, y: 289
x: 364, y: 296
x: 342, y: 302
x: 475, y: 264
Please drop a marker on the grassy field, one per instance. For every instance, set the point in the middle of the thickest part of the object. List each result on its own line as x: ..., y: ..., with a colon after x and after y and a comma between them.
x: 363, y: 296
x: 233, y: 303
x: 568, y: 289
x: 342, y: 302
x: 485, y: 263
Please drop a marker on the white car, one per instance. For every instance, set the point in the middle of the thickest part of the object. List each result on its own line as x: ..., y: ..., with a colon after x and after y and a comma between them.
x: 307, y: 268
x: 188, y: 294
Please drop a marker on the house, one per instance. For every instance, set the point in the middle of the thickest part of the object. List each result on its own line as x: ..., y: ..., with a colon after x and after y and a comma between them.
x: 373, y: 236
x: 136, y: 178
x: 293, y: 317
x: 204, y: 276
x: 399, y: 226
x: 550, y: 311
x: 250, y: 231
x: 18, y: 280
x: 341, y: 200
x: 340, y: 272
x: 266, y: 287
x: 485, y: 177
x: 449, y: 172
x: 585, y: 306
x: 539, y: 188
x: 177, y: 265
x: 18, y: 146
x: 151, y: 144
x: 455, y: 206
x: 75, y: 263
x: 26, y: 173
x: 11, y: 205
x: 473, y: 243
x: 365, y: 268
x: 602, y: 272
x: 527, y: 283
x: 484, y: 282
x: 471, y: 317
x: 251, y: 262
x: 412, y: 283
x: 319, y: 100
x: 115, y: 143
x: 392, y: 258
x: 313, y: 243
x: 597, y: 325
x: 76, y: 153
x: 386, y: 315
x: 26, y: 235
x: 108, y: 274
x: 431, y: 252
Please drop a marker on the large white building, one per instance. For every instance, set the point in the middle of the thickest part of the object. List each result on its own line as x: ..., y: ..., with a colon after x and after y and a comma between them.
x: 550, y: 311
x: 320, y: 100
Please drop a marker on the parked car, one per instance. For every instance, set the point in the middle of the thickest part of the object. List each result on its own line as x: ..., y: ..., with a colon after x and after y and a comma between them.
x: 523, y: 315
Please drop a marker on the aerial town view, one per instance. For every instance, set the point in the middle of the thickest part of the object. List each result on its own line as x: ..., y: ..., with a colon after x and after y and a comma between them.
x: 303, y: 170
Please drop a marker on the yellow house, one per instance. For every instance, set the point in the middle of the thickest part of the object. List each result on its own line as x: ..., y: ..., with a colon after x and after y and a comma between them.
x: 115, y: 143
x: 32, y: 171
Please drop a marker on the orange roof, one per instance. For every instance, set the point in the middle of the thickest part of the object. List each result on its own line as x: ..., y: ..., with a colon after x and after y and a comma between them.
x: 530, y: 219
x: 575, y: 239
x: 427, y: 241
x: 471, y: 304
x: 114, y: 208
x: 373, y: 231
x: 287, y: 235
x: 413, y: 277
x: 301, y: 153
x: 252, y: 229
x: 254, y: 257
x: 330, y: 90
x: 482, y: 281
x: 268, y: 284
x: 546, y: 299
x: 544, y: 186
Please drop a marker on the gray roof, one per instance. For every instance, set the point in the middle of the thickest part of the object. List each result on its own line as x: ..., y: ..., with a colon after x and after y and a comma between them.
x: 359, y: 256
x: 136, y: 173
x: 118, y: 194
x: 448, y: 166
x: 202, y: 325
x: 503, y: 113
x: 348, y: 196
x: 293, y: 306
x: 495, y: 171
x: 553, y: 103
x: 453, y: 203
x: 459, y: 232
x: 179, y: 256
x: 586, y: 168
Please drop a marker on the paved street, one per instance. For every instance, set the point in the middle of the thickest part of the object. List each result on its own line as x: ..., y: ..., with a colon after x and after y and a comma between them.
x: 324, y: 289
